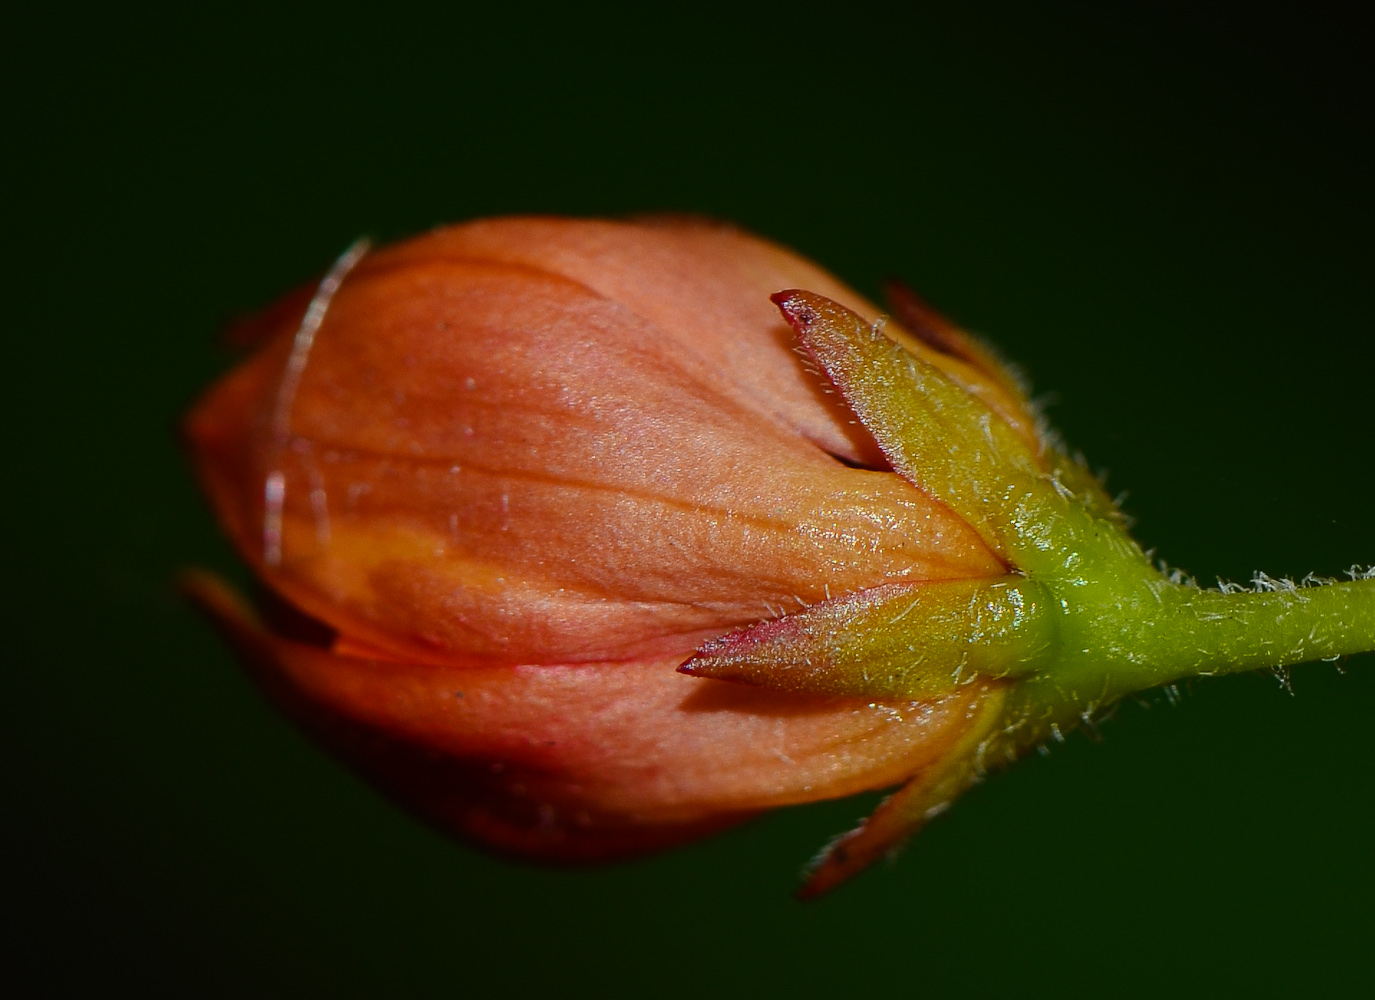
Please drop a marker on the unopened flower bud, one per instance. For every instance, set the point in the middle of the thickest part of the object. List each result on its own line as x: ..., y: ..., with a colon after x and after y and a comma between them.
x: 599, y: 549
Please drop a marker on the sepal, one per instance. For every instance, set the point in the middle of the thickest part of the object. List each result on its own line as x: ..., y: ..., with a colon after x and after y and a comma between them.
x: 895, y: 641
x: 907, y: 810
x: 1021, y: 495
x: 936, y: 434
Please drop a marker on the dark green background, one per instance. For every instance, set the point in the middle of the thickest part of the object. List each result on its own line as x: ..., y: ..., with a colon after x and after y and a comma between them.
x: 1166, y: 218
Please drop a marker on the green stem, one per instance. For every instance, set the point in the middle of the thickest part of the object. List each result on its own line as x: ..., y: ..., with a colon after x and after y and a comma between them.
x: 1162, y: 632
x: 1125, y: 627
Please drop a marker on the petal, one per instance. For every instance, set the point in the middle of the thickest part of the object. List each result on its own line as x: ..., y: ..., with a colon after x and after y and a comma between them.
x: 492, y: 463
x: 587, y: 761
x: 703, y: 287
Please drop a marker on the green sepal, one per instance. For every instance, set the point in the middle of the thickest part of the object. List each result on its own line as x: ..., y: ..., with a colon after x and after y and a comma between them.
x: 1106, y: 621
x: 907, y: 810
x: 898, y: 641
x: 1023, y: 500
x: 934, y: 432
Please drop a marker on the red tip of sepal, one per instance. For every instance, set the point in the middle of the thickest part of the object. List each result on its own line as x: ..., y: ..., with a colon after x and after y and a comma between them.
x: 792, y: 302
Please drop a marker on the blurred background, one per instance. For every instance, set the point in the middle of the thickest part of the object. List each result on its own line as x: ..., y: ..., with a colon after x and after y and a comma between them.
x: 1164, y: 217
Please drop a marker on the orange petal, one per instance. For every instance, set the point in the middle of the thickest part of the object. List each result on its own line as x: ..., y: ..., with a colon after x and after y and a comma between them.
x: 492, y: 463
x: 586, y: 761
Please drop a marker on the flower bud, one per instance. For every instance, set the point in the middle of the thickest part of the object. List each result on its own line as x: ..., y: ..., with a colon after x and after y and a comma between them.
x: 581, y: 555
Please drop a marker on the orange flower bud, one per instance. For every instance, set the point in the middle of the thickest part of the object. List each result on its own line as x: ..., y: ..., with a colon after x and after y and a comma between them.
x: 577, y: 555
x: 521, y: 470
